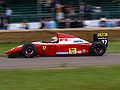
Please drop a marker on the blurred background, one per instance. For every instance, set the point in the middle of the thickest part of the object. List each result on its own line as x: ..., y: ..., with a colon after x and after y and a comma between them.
x: 50, y: 14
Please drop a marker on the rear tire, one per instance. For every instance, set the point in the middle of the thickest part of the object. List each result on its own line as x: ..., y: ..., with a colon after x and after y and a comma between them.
x: 29, y: 50
x: 98, y: 48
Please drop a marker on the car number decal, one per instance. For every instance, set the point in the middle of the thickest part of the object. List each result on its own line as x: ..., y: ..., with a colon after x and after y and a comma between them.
x: 72, y: 50
x: 44, y: 47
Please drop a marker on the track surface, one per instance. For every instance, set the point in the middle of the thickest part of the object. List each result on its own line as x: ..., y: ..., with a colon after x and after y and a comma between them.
x: 48, y: 62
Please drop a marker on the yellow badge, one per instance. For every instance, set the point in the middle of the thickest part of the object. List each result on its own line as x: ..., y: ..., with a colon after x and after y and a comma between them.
x: 102, y: 34
x: 44, y: 47
x: 72, y: 50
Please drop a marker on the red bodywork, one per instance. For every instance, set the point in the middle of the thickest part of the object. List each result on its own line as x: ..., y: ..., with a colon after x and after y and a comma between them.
x: 67, y: 45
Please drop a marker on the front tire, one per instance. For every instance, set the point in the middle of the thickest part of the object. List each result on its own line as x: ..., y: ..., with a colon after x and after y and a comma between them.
x: 29, y: 50
x: 98, y: 48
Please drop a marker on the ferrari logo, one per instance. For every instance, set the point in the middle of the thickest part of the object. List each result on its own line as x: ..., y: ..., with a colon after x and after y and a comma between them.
x: 44, y: 47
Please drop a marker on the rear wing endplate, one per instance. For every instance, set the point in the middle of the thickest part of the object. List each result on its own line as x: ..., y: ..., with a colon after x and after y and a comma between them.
x: 103, y: 37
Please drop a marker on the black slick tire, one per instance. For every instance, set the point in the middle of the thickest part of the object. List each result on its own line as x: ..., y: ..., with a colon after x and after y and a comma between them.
x: 29, y: 50
x: 98, y: 48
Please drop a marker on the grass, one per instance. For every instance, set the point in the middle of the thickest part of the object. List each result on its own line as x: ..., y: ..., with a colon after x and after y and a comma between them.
x: 6, y: 46
x: 87, y: 78
x: 113, y: 47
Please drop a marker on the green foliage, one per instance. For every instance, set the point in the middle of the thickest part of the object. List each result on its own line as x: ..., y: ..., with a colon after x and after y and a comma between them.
x: 114, y: 47
x: 6, y: 46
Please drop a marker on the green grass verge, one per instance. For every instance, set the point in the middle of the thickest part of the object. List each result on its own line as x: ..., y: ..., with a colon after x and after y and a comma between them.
x: 113, y: 47
x: 87, y: 78
x: 6, y: 46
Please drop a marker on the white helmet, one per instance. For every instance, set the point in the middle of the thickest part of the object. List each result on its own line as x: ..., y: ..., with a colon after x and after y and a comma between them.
x: 54, y: 39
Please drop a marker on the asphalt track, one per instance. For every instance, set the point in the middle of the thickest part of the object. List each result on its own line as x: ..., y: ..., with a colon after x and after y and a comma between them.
x: 53, y: 62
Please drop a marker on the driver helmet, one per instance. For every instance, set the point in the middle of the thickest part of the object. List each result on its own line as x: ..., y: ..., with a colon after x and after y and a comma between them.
x: 54, y: 39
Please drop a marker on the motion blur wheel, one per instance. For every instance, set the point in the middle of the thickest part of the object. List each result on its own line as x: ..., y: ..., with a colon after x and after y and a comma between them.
x: 29, y: 50
x: 98, y: 48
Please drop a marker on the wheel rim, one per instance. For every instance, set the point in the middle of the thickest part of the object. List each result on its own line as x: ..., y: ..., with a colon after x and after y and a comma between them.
x: 29, y: 50
x: 99, y: 48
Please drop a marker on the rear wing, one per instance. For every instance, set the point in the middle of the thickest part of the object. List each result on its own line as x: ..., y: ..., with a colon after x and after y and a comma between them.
x: 103, y: 37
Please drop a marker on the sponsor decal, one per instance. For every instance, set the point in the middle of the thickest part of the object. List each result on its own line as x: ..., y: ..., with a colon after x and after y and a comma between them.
x: 102, y: 34
x: 72, y: 50
x: 64, y: 39
x: 44, y: 47
x: 77, y: 41
x: 85, y: 51
x: 61, y: 52
x: 79, y: 52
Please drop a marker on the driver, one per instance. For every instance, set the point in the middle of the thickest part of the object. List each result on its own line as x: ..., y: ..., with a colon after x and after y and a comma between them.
x: 54, y: 39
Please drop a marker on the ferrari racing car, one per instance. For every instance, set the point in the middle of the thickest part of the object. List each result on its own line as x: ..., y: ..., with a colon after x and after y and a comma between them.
x: 63, y: 44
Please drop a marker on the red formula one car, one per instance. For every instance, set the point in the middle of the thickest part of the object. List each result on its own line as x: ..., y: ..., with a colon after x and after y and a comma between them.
x: 63, y: 44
